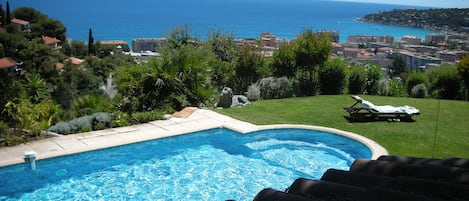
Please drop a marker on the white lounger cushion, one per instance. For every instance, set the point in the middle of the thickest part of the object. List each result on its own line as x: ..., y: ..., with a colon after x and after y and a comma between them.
x: 390, y: 109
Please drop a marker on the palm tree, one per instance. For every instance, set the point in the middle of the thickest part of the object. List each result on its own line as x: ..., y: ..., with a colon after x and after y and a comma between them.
x: 36, y: 88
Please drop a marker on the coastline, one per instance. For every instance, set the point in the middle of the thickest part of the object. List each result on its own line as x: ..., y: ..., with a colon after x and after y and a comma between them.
x: 446, y: 20
x: 148, y: 19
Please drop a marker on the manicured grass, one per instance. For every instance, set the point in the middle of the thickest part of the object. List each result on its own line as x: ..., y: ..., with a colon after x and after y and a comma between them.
x: 399, y: 138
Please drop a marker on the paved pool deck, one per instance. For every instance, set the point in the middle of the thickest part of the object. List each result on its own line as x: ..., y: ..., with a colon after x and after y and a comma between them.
x: 200, y: 119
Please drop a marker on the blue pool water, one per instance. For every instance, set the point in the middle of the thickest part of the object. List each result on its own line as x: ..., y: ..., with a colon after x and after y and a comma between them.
x: 216, y: 164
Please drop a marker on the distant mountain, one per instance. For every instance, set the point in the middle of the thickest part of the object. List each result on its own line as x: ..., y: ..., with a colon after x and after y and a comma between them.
x: 451, y: 19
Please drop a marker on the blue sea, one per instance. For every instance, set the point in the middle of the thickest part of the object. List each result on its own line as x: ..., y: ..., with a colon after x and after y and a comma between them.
x: 126, y: 20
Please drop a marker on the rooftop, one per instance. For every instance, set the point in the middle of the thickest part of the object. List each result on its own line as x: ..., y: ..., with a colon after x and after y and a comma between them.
x: 113, y: 42
x: 6, y: 63
x: 19, y: 21
x: 49, y: 40
x: 76, y: 61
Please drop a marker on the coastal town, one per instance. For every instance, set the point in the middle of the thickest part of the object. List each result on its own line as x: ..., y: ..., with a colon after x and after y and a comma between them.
x: 418, y: 54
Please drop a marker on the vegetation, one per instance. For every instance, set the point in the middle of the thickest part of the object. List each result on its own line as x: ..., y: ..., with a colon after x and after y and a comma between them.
x: 357, y: 80
x: 445, y: 82
x: 275, y: 88
x: 445, y: 19
x: 374, y: 75
x: 463, y: 70
x: 415, y: 78
x: 51, y: 88
x: 440, y: 131
x: 333, y: 77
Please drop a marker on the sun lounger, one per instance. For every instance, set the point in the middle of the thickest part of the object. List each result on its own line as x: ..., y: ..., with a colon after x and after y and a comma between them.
x: 363, y: 108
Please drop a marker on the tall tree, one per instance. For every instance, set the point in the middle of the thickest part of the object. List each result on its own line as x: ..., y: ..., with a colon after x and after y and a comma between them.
x: 2, y: 16
x: 8, y: 15
x: 90, y: 43
x: 246, y: 68
x: 463, y: 70
x: 311, y: 52
x: 399, y: 66
x: 41, y: 25
x: 283, y: 62
x: 222, y: 44
x: 333, y: 76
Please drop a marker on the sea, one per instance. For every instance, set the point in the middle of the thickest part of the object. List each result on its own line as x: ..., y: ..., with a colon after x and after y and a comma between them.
x: 127, y: 20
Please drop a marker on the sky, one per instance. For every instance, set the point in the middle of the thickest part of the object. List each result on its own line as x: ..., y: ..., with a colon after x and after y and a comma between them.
x: 423, y: 3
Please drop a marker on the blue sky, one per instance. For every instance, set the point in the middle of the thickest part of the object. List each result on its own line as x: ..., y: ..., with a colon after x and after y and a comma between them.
x: 424, y: 3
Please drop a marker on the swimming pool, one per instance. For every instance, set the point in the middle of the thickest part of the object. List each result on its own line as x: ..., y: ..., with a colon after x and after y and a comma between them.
x: 216, y: 164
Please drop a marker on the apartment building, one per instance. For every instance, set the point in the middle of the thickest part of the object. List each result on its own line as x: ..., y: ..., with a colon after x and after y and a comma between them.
x: 147, y: 44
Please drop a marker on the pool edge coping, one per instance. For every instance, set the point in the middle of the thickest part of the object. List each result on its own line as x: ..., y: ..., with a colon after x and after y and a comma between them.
x: 201, y: 119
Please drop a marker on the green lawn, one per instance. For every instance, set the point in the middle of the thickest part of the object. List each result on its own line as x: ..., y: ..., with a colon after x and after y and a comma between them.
x: 399, y: 138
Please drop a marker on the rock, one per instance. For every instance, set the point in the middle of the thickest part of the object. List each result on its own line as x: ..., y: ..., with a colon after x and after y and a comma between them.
x: 226, y: 98
x: 240, y: 100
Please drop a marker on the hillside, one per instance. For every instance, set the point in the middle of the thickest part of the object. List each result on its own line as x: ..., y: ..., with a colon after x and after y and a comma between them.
x: 452, y: 19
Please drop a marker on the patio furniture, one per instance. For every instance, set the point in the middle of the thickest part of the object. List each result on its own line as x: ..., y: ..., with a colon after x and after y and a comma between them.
x: 364, y: 109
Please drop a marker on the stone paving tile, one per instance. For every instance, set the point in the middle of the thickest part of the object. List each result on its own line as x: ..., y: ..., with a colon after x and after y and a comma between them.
x: 12, y: 152
x: 69, y: 142
x: 44, y: 146
x: 162, y: 123
x: 125, y: 129
x: 96, y: 133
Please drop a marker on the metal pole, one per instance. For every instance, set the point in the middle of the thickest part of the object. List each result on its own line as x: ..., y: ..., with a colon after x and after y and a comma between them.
x: 436, y: 128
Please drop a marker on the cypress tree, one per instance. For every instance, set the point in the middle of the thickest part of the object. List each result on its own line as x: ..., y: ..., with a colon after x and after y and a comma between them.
x: 8, y: 15
x: 2, y: 16
x: 90, y: 42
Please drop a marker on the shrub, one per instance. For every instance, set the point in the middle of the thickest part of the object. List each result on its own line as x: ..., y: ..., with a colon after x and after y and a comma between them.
x: 4, y: 132
x: 120, y: 119
x: 4, y: 129
x: 274, y: 88
x: 383, y: 88
x: 86, y: 128
x: 97, y: 121
x: 396, y: 88
x: 102, y: 117
x: 419, y: 91
x: 101, y: 120
x: 445, y: 82
x: 333, y: 77
x: 374, y: 75
x: 254, y: 92
x: 11, y: 140
x: 415, y: 78
x: 267, y: 87
x: 144, y: 117
x: 61, y: 128
x: 391, y: 88
x: 306, y: 87
x: 87, y: 105
x: 78, y: 123
x: 357, y: 80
